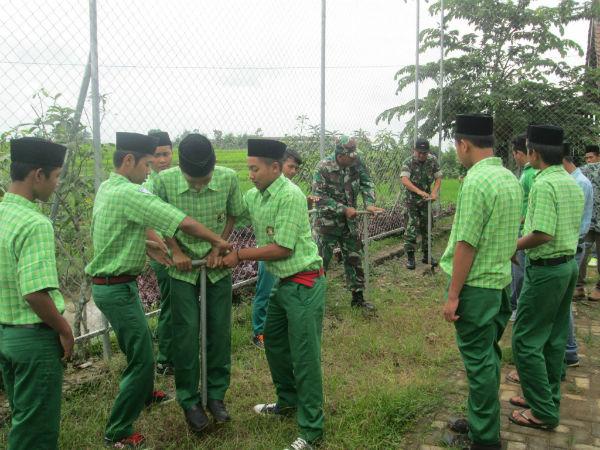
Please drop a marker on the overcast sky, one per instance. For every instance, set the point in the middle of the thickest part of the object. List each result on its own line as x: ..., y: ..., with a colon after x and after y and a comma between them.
x: 232, y: 65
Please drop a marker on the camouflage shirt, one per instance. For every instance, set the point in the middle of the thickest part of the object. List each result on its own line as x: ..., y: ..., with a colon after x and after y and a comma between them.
x: 421, y: 174
x: 339, y: 188
x: 592, y: 172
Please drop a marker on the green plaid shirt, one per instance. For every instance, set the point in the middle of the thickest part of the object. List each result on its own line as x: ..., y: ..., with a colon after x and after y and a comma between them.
x: 280, y: 215
x: 487, y: 217
x: 555, y: 208
x: 210, y: 206
x: 122, y: 213
x: 27, y: 260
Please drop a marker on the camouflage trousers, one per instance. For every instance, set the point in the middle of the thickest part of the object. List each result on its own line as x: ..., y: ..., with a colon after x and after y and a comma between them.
x: 416, y: 225
x: 352, y: 255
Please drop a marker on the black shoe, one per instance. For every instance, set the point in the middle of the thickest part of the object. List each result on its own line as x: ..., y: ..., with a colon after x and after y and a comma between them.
x: 434, y: 263
x: 573, y: 363
x: 165, y: 369
x: 497, y: 446
x: 218, y: 411
x: 460, y: 426
x: 196, y: 418
x: 410, y: 261
x: 358, y: 301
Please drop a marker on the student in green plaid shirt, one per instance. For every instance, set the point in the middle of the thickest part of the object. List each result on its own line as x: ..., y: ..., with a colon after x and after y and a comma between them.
x: 211, y: 195
x: 550, y: 238
x: 34, y: 336
x: 477, y: 259
x: 163, y: 155
x: 123, y: 211
x: 293, y: 328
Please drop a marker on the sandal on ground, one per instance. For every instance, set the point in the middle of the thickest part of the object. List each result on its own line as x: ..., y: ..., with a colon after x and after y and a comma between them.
x: 510, y: 377
x: 529, y: 423
x: 519, y: 401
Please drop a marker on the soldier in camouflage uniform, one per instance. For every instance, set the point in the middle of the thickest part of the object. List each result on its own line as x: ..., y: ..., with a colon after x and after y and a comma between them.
x: 592, y: 172
x: 338, y: 182
x: 418, y: 174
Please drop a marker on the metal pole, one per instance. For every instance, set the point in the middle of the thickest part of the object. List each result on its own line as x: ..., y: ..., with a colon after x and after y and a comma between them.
x: 96, y: 134
x: 417, y: 26
x: 429, y: 232
x: 203, y: 335
x: 366, y: 252
x: 322, y: 128
x: 71, y: 146
x: 441, y: 80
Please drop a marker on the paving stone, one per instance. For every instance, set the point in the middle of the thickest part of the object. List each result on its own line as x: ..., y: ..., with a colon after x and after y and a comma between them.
x: 431, y: 447
x: 560, y: 441
x: 574, y: 397
x: 584, y: 447
x: 575, y: 423
x: 506, y: 395
x: 562, y: 429
x: 582, y: 383
x: 510, y: 445
x: 537, y: 443
x: 438, y: 425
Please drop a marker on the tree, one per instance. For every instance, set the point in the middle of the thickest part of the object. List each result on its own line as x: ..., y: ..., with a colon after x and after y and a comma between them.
x: 505, y: 58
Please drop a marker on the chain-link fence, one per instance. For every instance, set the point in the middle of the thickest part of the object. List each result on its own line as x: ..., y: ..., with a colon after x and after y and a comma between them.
x: 77, y: 73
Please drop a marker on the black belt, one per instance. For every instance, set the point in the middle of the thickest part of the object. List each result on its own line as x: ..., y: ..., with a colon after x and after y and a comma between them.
x: 32, y: 326
x: 551, y: 261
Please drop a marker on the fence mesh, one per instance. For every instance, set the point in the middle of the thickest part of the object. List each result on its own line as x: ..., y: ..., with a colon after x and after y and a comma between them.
x: 233, y: 70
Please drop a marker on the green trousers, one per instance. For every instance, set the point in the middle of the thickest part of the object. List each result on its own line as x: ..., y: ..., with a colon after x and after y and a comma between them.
x: 484, y: 314
x: 540, y: 335
x: 33, y: 375
x: 264, y: 286
x: 164, y: 330
x: 121, y: 305
x: 185, y: 309
x: 293, y: 348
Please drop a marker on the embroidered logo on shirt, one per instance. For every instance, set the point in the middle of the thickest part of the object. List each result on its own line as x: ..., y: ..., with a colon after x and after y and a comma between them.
x: 270, y: 232
x: 221, y: 217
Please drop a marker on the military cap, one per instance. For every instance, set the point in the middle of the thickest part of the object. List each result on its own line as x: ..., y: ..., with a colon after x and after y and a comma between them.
x: 291, y: 153
x: 163, y: 138
x: 545, y: 135
x: 592, y: 148
x: 266, y: 148
x: 196, y: 155
x: 31, y: 150
x: 136, y: 142
x: 422, y: 145
x: 345, y: 145
x: 476, y: 125
x: 519, y: 142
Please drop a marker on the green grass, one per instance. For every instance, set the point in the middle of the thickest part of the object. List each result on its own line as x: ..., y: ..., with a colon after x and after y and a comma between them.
x: 384, y: 378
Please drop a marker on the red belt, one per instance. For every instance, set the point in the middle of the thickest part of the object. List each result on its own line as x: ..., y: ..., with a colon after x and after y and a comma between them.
x: 113, y: 280
x: 306, y: 278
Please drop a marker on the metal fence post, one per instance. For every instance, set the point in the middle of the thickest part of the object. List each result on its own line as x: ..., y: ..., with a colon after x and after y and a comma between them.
x: 322, y: 130
x: 203, y: 367
x: 366, y: 251
x: 106, y: 351
x: 417, y: 26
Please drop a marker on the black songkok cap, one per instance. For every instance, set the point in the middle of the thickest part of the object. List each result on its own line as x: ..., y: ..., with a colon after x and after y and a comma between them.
x: 31, y: 150
x: 592, y: 148
x: 422, y: 145
x: 519, y: 142
x: 136, y: 142
x: 545, y: 135
x: 476, y: 125
x: 266, y: 148
x: 163, y: 138
x: 196, y: 155
x: 567, y: 149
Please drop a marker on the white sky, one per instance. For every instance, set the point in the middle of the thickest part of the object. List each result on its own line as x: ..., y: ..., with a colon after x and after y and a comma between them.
x: 233, y: 65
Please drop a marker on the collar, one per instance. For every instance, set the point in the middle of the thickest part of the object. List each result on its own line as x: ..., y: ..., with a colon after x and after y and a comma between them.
x: 489, y: 161
x: 19, y: 200
x: 183, y: 186
x: 274, y: 187
x: 577, y: 172
x: 114, y: 176
x: 550, y: 170
x: 527, y: 166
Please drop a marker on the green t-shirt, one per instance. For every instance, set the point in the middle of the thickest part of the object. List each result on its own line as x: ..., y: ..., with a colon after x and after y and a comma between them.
x: 210, y: 206
x: 487, y: 217
x: 526, y: 180
x: 27, y: 260
x: 280, y: 215
x: 123, y: 211
x: 555, y: 208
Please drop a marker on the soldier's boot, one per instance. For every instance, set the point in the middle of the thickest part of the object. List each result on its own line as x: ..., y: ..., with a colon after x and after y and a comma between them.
x: 358, y: 301
x: 410, y: 261
x: 579, y: 293
x: 434, y: 262
x: 594, y: 296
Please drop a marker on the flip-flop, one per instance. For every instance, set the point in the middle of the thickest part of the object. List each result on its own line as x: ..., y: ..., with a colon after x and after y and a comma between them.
x: 520, y: 404
x: 530, y: 423
x: 512, y: 379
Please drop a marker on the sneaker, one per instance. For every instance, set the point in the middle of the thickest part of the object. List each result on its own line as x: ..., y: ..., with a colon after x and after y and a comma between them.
x: 136, y: 440
x: 299, y: 444
x: 513, y: 316
x: 573, y: 363
x: 165, y: 369
x: 259, y: 341
x: 272, y: 410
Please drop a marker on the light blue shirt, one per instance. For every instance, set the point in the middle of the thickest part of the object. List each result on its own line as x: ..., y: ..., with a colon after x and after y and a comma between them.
x: 588, y: 197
